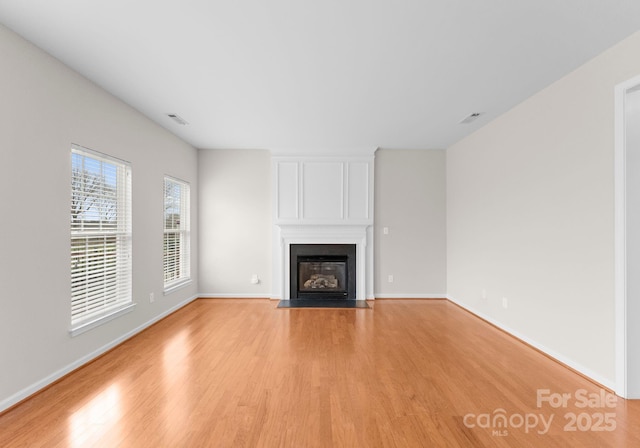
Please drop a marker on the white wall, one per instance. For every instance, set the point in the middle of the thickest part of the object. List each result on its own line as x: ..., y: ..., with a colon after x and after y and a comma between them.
x: 45, y: 108
x: 530, y: 215
x: 410, y: 200
x: 235, y: 222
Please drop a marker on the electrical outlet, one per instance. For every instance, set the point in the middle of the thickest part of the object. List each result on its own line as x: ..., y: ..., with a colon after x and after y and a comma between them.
x: 390, y: 279
x: 385, y: 230
x: 152, y: 298
x: 484, y: 293
x: 505, y: 303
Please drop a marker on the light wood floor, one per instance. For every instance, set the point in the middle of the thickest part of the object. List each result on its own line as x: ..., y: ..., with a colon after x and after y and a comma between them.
x: 241, y: 373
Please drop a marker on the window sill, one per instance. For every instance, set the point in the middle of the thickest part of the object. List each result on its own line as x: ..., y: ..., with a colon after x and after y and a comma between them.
x: 175, y: 286
x: 89, y: 325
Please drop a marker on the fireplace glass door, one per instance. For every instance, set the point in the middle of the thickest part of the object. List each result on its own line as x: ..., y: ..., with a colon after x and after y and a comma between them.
x: 322, y: 276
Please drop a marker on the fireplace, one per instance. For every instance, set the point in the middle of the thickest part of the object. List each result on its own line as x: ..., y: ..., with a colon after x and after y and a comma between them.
x: 323, y: 271
x: 323, y: 200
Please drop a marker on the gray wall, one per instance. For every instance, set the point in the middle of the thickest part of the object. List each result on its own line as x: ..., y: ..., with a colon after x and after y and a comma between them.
x: 45, y: 108
x: 530, y: 206
x: 235, y: 218
x: 235, y: 223
x: 410, y: 201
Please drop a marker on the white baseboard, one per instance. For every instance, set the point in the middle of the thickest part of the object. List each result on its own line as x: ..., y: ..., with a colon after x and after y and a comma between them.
x: 410, y: 296
x: 547, y: 351
x: 218, y: 295
x: 37, y: 386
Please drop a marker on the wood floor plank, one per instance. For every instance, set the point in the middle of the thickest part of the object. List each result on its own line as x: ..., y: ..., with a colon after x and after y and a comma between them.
x: 241, y: 373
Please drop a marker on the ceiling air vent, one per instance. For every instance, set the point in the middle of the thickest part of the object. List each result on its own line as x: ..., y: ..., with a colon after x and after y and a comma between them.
x: 470, y: 118
x: 178, y: 119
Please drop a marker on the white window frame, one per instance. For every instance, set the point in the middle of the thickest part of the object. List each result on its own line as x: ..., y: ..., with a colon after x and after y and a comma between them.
x: 176, y: 260
x: 102, y: 223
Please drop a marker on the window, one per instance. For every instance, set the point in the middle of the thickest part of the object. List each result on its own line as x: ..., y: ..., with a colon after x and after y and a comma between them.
x: 177, y: 233
x: 100, y: 238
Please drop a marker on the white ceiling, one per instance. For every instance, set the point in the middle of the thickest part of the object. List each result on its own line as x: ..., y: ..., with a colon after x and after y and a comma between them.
x: 302, y: 75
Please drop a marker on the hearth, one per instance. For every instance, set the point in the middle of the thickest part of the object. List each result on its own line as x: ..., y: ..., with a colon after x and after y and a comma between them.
x: 323, y: 271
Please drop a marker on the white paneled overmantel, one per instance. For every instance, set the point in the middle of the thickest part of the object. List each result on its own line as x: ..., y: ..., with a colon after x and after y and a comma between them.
x: 323, y: 200
x: 323, y: 190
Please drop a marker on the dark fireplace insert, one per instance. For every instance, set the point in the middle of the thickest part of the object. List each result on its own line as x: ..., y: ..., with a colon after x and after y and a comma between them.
x: 323, y: 271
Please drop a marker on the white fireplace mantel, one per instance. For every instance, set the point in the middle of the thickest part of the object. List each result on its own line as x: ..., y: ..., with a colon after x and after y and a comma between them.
x: 361, y: 236
x: 323, y: 200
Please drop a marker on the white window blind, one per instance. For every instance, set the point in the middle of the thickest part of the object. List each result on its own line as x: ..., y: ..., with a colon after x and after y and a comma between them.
x: 100, y: 236
x: 177, y: 233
